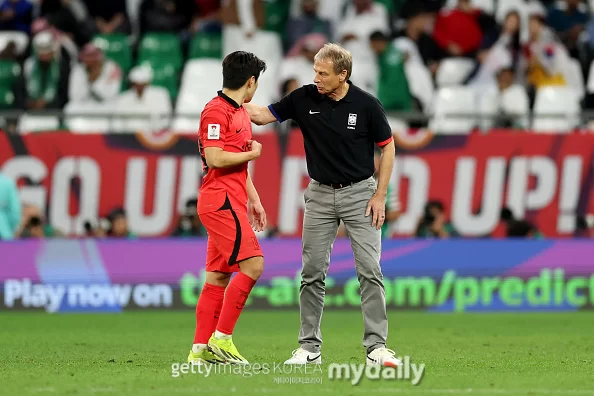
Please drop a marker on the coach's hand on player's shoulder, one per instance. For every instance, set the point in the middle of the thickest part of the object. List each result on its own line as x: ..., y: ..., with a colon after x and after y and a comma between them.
x: 377, y: 208
x: 255, y: 148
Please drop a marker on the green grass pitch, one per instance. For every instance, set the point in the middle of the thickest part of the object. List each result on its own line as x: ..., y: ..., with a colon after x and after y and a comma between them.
x: 132, y: 353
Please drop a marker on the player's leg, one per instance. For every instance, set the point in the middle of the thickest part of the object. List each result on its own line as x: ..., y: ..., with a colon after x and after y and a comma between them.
x: 320, y: 226
x: 239, y: 246
x: 236, y: 296
x: 209, y: 306
x: 366, y: 244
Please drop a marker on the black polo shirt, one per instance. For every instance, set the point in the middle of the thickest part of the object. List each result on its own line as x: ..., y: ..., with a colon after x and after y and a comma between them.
x: 339, y: 136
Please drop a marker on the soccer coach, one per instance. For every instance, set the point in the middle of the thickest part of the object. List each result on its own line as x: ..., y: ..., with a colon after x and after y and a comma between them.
x: 340, y: 124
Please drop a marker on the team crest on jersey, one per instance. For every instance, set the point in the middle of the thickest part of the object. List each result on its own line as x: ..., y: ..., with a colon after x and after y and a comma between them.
x: 352, y: 121
x: 214, y: 131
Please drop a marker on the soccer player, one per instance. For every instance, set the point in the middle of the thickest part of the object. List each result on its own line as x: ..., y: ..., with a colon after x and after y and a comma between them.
x: 226, y: 147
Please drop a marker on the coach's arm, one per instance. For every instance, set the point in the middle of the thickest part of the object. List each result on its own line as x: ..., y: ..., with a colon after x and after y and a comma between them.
x: 259, y: 115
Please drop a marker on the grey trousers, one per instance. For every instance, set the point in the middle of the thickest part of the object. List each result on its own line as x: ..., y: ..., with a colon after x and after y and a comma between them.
x: 324, y: 208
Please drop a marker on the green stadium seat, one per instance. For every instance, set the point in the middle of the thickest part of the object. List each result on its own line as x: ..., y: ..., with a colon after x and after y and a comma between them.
x: 165, y: 75
x: 117, y: 48
x: 10, y: 71
x: 160, y: 48
x: 6, y: 98
x: 206, y: 45
x: 276, y: 15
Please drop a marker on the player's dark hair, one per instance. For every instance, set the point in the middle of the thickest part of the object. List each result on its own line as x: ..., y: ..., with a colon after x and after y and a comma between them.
x: 240, y: 66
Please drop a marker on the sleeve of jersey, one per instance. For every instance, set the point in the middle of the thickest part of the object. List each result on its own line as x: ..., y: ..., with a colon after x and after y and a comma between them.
x: 284, y: 109
x: 382, y: 132
x: 213, y: 129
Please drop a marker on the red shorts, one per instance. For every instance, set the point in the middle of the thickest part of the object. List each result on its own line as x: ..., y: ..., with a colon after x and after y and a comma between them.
x: 231, y: 239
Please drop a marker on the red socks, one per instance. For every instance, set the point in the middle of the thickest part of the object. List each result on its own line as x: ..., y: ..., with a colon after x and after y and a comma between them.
x: 236, y: 295
x: 208, y: 311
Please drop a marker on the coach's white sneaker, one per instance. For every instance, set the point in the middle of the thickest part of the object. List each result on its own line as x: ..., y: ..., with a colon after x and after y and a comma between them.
x: 383, y: 357
x: 301, y: 356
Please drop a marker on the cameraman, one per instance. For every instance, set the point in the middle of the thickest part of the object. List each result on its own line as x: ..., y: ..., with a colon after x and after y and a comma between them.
x: 189, y: 223
x: 433, y: 224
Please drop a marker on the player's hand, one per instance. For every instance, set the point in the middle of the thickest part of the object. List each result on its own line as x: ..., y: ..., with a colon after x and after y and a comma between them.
x: 258, y: 217
x: 377, y: 208
x: 255, y: 148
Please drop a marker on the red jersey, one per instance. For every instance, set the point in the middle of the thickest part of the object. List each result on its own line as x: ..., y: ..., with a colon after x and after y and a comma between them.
x: 227, y: 125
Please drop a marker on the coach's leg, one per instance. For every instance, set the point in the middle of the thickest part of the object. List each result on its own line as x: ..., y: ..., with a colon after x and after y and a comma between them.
x: 319, y: 232
x: 366, y: 243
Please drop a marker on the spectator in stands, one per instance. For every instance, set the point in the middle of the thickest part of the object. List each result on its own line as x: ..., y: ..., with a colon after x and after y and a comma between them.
x: 207, y: 16
x: 422, y: 48
x: 96, y: 79
x: 16, y: 15
x: 433, y: 224
x: 68, y: 49
x: 502, y: 49
x: 109, y: 16
x: 508, y: 102
x: 189, y: 222
x: 568, y: 18
x: 393, y: 89
x: 10, y: 208
x: 362, y: 18
x: 68, y: 16
x: 516, y: 228
x: 151, y: 105
x: 544, y: 57
x: 299, y: 62
x: 118, y: 227
x: 46, y: 75
x: 171, y: 16
x: 460, y: 31
x: 306, y: 23
x: 584, y: 227
x: 35, y: 226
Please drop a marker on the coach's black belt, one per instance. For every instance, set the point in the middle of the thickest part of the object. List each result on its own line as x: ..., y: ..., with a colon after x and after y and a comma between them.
x: 337, y: 186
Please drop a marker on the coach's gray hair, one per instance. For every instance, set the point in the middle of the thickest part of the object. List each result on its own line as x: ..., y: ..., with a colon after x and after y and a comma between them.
x: 340, y: 58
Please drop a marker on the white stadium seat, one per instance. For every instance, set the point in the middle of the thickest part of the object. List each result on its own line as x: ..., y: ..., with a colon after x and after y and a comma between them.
x: 556, y: 110
x: 201, y: 79
x: 452, y: 101
x: 87, y: 117
x: 20, y: 39
x: 453, y: 71
x: 575, y: 78
x: 29, y: 123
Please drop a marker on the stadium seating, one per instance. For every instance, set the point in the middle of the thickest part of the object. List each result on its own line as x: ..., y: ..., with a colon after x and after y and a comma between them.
x: 161, y: 48
x: 20, y: 39
x: 87, y: 117
x: 200, y: 81
x: 454, y: 110
x: 29, y: 123
x: 206, y: 45
x: 9, y: 72
x: 556, y: 110
x: 166, y: 76
x: 453, y: 71
x: 116, y: 47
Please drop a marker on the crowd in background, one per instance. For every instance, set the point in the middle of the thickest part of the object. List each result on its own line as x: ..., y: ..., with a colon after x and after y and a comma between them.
x: 403, y: 50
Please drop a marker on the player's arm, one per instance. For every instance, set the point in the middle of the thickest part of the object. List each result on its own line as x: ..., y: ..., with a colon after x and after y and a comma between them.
x: 213, y: 133
x: 251, y: 191
x: 279, y: 111
x: 216, y: 157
